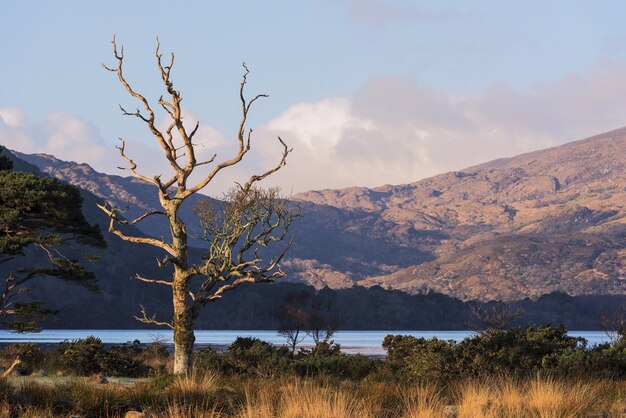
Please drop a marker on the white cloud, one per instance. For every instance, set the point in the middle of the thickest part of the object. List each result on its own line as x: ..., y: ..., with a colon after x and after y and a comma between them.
x: 395, y: 131
x: 391, y: 131
x: 63, y: 135
x: 13, y: 117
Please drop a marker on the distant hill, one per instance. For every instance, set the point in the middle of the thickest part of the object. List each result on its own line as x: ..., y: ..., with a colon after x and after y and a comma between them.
x: 550, y: 220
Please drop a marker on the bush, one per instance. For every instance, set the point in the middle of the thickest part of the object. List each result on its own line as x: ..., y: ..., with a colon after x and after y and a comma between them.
x: 207, y: 359
x: 89, y: 356
x: 30, y: 354
x: 338, y: 365
x: 155, y: 351
x: 520, y: 351
x: 432, y: 360
x: 248, y: 355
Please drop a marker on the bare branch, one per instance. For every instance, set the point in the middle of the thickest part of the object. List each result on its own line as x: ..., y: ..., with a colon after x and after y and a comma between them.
x: 493, y: 317
x: 111, y: 212
x: 150, y: 120
x: 281, y: 164
x: 244, y: 146
x: 8, y: 371
x: 137, y: 113
x: 152, y: 319
x: 209, y: 161
x: 133, y: 166
x: 235, y: 284
x: 145, y: 215
x: 144, y: 279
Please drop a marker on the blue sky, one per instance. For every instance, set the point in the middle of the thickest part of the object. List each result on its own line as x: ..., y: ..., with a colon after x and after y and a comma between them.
x: 367, y: 91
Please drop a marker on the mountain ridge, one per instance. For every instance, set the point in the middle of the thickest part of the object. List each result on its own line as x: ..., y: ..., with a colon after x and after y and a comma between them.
x: 549, y: 208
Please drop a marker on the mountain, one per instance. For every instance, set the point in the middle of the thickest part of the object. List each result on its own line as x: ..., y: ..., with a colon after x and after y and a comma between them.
x: 550, y: 220
x: 130, y: 194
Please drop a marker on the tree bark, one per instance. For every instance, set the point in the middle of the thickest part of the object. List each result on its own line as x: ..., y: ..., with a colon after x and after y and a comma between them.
x: 184, y: 337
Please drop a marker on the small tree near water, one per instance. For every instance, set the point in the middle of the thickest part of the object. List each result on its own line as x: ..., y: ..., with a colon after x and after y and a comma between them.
x: 247, y: 219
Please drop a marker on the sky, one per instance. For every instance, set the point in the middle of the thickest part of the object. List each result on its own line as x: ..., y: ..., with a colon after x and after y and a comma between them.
x: 367, y: 92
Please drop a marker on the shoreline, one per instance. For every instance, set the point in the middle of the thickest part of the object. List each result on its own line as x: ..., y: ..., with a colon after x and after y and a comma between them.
x: 219, y: 348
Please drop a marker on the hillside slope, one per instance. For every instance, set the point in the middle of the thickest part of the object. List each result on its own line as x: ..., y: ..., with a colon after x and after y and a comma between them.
x: 550, y: 220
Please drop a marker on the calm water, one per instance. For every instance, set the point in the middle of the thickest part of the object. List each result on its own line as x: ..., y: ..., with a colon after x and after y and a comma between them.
x: 352, y: 342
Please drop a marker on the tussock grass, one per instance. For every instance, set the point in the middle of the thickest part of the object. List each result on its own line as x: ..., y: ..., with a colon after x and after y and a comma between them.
x: 195, y: 385
x: 477, y: 399
x: 307, y: 399
x: 184, y: 411
x: 549, y: 398
x: 215, y: 396
x: 422, y: 400
x: 541, y: 397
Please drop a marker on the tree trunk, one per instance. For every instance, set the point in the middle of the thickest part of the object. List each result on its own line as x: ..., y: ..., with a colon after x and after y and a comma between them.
x: 184, y: 337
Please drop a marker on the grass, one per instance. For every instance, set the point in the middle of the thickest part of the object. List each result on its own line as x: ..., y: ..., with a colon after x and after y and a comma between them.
x: 211, y: 395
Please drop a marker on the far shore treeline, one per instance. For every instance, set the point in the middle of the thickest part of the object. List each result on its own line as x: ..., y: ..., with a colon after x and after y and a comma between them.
x: 358, y: 308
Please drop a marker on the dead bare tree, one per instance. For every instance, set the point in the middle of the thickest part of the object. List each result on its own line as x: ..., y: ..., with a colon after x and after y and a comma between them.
x: 322, y: 323
x: 493, y: 317
x: 613, y: 323
x: 293, y: 318
x: 248, y: 218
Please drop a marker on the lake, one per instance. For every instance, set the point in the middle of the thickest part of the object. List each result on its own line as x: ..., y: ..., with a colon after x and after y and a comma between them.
x: 352, y: 342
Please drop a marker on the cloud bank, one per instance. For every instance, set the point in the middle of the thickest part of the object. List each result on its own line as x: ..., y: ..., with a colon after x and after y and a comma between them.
x: 391, y: 131
x: 394, y: 130
x: 64, y: 135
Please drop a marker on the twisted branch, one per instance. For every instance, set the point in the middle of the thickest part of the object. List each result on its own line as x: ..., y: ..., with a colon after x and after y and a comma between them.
x: 151, y: 319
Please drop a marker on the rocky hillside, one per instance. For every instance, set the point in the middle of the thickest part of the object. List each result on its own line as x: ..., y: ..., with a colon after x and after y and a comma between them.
x: 551, y: 220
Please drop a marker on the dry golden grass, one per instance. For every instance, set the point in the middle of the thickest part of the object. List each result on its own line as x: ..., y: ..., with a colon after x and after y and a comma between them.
x: 300, y: 399
x: 549, y: 398
x: 259, y: 402
x: 216, y: 397
x: 476, y: 400
x: 511, y: 398
x: 539, y: 397
x: 204, y: 383
x: 184, y: 411
x: 422, y: 401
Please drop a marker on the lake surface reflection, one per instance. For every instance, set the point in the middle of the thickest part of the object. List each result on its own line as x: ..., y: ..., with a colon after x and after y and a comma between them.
x: 352, y: 342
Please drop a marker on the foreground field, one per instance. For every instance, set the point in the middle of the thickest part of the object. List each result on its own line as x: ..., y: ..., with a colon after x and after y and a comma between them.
x: 219, y: 396
x: 518, y: 372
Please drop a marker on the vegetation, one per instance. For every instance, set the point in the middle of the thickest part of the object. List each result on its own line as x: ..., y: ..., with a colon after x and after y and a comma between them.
x: 245, y: 221
x: 303, y: 313
x: 41, y: 214
x: 519, y: 372
x: 211, y: 395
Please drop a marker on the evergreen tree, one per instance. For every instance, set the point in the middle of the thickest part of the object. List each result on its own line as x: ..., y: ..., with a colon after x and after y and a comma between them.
x: 43, y: 214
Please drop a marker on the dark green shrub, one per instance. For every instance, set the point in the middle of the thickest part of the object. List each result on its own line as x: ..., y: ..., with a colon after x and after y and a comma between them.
x: 432, y: 359
x: 338, y: 365
x: 112, y: 363
x: 79, y: 357
x: 324, y: 348
x: 89, y: 356
x: 420, y: 358
x: 398, y: 348
x: 162, y: 381
x: 518, y: 351
x: 207, y: 359
x: 252, y: 356
x: 30, y: 354
x: 155, y: 352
